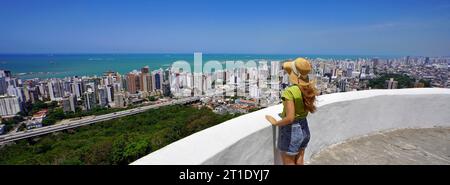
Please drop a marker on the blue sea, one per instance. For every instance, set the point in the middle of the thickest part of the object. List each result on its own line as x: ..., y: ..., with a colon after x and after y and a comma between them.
x: 43, y: 66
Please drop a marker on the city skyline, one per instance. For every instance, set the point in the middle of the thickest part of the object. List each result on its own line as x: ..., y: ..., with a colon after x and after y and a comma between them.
x: 327, y: 27
x: 239, y: 88
x: 161, y: 82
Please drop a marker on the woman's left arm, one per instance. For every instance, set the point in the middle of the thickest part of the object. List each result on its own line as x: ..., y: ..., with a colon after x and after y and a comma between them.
x: 288, y: 119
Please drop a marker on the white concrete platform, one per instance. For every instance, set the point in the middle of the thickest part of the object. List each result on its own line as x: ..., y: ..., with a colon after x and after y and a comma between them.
x: 429, y: 146
x: 249, y: 139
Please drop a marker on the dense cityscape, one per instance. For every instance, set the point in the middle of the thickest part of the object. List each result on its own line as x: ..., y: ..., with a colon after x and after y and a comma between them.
x: 26, y: 104
x: 171, y: 90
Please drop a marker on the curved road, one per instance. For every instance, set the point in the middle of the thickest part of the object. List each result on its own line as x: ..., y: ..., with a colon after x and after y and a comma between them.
x: 87, y: 120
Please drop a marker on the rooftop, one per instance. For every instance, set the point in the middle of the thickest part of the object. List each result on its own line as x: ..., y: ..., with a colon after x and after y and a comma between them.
x: 40, y: 113
x: 405, y: 146
x: 341, y: 117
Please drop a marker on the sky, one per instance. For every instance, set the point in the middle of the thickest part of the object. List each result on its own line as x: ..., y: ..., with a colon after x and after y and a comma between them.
x: 335, y: 27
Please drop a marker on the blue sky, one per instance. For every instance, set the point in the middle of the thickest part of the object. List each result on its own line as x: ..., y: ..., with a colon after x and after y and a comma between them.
x: 372, y: 27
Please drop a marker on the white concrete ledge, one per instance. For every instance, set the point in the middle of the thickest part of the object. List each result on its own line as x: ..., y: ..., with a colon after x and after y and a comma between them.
x: 248, y: 139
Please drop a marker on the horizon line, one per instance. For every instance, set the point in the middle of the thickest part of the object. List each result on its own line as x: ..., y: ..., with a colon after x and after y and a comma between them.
x: 211, y: 53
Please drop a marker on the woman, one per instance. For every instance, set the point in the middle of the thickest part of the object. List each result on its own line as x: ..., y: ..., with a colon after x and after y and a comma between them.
x: 298, y: 101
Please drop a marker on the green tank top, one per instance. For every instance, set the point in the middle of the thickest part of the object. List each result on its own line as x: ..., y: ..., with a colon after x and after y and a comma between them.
x: 293, y: 93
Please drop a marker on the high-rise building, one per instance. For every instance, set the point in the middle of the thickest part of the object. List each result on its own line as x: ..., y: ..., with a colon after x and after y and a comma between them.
x: 166, y: 88
x: 110, y: 93
x: 254, y: 90
x: 375, y: 62
x: 33, y: 94
x: 77, y: 88
x: 12, y: 81
x: 9, y: 105
x: 43, y: 91
x: 263, y: 73
x: 117, y: 87
x: 145, y: 80
x: 333, y: 72
x: 209, y: 82
x: 17, y: 92
x: 145, y: 69
x: 123, y: 84
x: 55, y: 90
x: 66, y: 88
x: 5, y: 73
x: 198, y: 84
x: 275, y: 67
x: 133, y: 82
x: 109, y: 77
x: 343, y: 85
x: 73, y: 102
x: 26, y: 93
x: 157, y: 80
x: 391, y: 84
x: 166, y: 75
x: 69, y: 103
x: 102, y: 96
x: 89, y: 99
x: 119, y: 100
x: 3, y: 85
x: 427, y: 60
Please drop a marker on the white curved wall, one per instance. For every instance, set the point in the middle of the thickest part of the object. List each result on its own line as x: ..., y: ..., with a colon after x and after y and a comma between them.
x: 248, y: 139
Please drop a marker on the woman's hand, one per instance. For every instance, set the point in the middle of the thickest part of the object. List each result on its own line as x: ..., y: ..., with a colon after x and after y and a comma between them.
x: 272, y: 120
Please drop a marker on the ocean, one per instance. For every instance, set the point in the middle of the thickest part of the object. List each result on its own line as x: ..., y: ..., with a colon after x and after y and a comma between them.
x: 27, y: 66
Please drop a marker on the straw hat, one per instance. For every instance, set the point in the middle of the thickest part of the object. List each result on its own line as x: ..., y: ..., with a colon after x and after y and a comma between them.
x: 298, y: 71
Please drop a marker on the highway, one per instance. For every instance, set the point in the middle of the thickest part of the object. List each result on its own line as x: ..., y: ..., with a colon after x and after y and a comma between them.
x: 87, y: 121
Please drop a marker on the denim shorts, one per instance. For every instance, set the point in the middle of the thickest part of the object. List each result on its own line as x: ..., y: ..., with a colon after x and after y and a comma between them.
x: 293, y: 137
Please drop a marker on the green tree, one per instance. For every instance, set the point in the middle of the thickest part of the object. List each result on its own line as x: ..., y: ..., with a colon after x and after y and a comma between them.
x: 425, y: 82
x: 404, y: 81
x: 118, y: 141
x: 152, y: 98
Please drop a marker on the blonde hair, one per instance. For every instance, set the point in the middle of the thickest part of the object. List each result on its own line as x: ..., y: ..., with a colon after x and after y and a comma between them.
x: 309, y: 93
